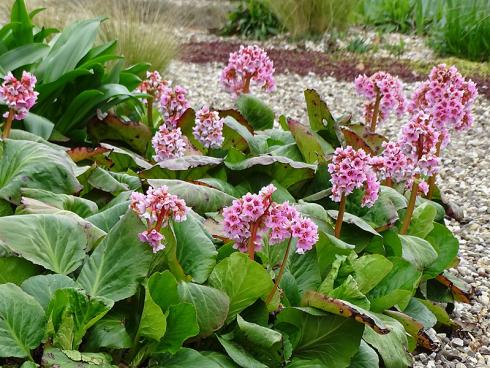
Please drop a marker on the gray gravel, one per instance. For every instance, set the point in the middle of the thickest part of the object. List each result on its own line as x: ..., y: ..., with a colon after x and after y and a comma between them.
x: 465, y: 179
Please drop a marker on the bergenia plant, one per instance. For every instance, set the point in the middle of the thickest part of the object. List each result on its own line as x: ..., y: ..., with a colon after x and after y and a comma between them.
x: 384, y: 94
x: 247, y: 66
x: 19, y: 96
x: 154, y: 86
x: 352, y: 169
x: 156, y: 209
x: 208, y: 129
x: 168, y: 143
x: 254, y: 216
x: 447, y: 97
x: 173, y: 104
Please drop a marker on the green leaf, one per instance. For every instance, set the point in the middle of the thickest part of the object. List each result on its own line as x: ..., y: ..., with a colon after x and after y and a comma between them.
x: 55, y: 242
x: 417, y: 251
x: 74, y: 359
x: 257, y: 113
x: 211, y: 305
x: 25, y: 164
x: 439, y: 311
x: 370, y: 270
x: 70, y: 47
x: 111, y: 271
x: 153, y: 322
x: 419, y: 311
x: 107, y: 218
x: 349, y: 291
x: 239, y: 354
x: 103, y: 180
x: 366, y: 357
x: 38, y: 125
x: 181, y: 325
x: 396, y: 288
x: 393, y: 346
x: 109, y: 332
x: 22, y: 25
x: 188, y: 358
x: 163, y: 288
x: 201, y: 198
x: 81, y: 206
x: 223, y: 360
x: 43, y: 287
x: 16, y: 270
x: 422, y: 220
x: 22, y: 55
x: 183, y: 168
x: 312, y: 146
x: 255, y: 145
x: 327, y: 249
x: 320, y: 117
x: 195, y: 250
x: 71, y: 313
x: 318, y: 336
x: 244, y: 287
x: 446, y: 245
x: 305, y: 270
x: 21, y: 322
x: 259, y: 335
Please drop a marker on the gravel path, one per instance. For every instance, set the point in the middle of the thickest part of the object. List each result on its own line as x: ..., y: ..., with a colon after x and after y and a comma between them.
x: 465, y: 179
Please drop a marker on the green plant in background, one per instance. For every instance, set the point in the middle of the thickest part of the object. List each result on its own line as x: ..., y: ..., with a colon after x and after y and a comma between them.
x: 359, y: 45
x: 464, y: 30
x: 396, y: 49
x: 307, y: 18
x: 252, y: 19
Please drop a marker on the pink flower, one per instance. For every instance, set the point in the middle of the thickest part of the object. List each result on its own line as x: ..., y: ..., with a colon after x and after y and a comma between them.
x: 393, y: 163
x: 351, y: 169
x: 153, y: 238
x: 153, y: 85
x: 19, y: 95
x: 168, y: 144
x: 157, y: 208
x: 209, y: 128
x: 173, y: 104
x: 258, y: 214
x: 249, y: 64
x: 391, y: 90
x: 447, y: 97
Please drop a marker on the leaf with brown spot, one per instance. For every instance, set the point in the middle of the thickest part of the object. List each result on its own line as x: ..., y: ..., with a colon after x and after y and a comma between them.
x: 415, y: 329
x: 136, y: 135
x: 320, y: 117
x: 460, y: 295
x: 357, y: 136
x: 96, y: 154
x: 344, y: 309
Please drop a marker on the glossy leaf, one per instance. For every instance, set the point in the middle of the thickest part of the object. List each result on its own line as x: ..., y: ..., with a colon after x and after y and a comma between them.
x: 257, y: 113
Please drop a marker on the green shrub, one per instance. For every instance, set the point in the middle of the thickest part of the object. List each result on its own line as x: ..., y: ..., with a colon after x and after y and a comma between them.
x: 252, y: 19
x: 465, y: 30
x: 304, y: 18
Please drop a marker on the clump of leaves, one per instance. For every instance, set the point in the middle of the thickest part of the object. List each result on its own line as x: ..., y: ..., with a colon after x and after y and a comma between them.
x: 252, y: 19
x: 359, y: 45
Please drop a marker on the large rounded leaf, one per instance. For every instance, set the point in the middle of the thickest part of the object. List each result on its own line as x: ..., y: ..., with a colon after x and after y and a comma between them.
x: 243, y: 280
x: 21, y: 322
x: 56, y: 242
x: 25, y: 164
x: 257, y: 113
x: 16, y: 270
x: 116, y: 267
x: 42, y: 287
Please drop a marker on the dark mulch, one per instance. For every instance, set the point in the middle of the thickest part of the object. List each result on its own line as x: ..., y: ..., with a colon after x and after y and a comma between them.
x: 343, y: 67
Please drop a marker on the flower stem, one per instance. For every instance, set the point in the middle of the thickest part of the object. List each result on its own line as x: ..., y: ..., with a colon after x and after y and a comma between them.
x: 281, y: 272
x: 340, y: 217
x: 251, y: 243
x: 410, y: 208
x: 432, y: 179
x: 388, y: 182
x: 374, y: 118
x: 246, y: 86
x: 149, y: 112
x: 8, y: 124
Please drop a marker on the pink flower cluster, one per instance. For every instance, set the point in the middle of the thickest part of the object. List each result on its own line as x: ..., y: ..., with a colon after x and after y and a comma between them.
x: 393, y: 163
x: 153, y: 85
x: 254, y: 215
x: 168, y: 143
x: 209, y: 128
x: 156, y: 208
x: 173, y: 104
x: 391, y: 92
x: 19, y: 95
x: 351, y: 169
x: 249, y: 64
x: 448, y: 97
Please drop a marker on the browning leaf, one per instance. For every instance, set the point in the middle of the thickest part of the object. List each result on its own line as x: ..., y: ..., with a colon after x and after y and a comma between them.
x: 460, y: 295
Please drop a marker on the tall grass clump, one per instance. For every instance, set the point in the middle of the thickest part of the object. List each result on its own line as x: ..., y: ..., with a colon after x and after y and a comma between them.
x: 306, y: 18
x: 464, y: 30
x: 144, y: 29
